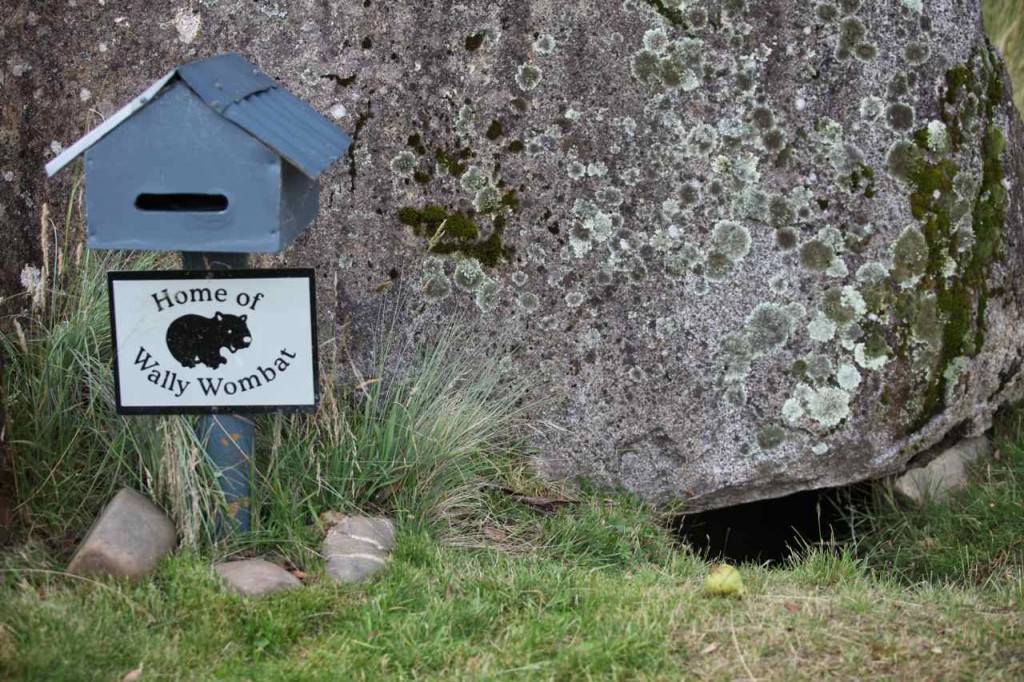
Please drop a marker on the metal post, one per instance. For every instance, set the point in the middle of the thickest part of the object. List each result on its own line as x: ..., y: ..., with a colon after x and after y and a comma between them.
x: 229, y: 440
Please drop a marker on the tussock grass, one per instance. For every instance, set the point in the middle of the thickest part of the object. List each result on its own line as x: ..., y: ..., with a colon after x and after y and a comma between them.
x: 69, y: 451
x: 417, y: 440
x: 973, y: 538
x: 416, y: 435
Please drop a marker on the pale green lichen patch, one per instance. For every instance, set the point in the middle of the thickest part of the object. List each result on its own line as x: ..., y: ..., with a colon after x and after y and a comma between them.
x: 718, y: 266
x: 900, y: 116
x: 735, y: 356
x: 848, y: 377
x: 731, y: 239
x: 871, y: 107
x: 865, y: 52
x: 702, y: 140
x: 938, y: 137
x: 827, y: 405
x: 528, y: 76
x: 821, y: 329
x: 816, y: 255
x: 574, y: 299
x: 544, y: 44
x: 488, y: 295
x: 768, y: 328
x: 529, y: 301
x: 487, y: 200
x: 826, y: 11
x: 403, y: 164
x: 910, y: 257
x: 792, y: 410
x: 434, y: 284
x: 473, y: 180
x: 468, y: 274
x: 843, y: 305
x: 786, y: 238
x: 917, y: 53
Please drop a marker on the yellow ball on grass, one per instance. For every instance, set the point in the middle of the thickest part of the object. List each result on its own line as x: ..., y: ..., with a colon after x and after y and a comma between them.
x: 724, y: 581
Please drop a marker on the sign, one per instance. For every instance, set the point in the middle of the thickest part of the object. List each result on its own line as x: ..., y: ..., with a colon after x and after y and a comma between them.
x: 219, y: 341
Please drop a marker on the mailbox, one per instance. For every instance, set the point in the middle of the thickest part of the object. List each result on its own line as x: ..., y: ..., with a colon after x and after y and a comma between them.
x: 214, y: 157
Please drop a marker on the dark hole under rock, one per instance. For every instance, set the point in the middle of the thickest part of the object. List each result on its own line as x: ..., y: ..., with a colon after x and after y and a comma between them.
x: 771, y: 531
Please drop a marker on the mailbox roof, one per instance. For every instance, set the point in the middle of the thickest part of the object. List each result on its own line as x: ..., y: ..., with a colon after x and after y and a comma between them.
x: 254, y: 101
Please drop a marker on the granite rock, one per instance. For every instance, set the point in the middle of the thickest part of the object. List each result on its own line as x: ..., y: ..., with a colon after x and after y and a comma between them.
x: 750, y: 248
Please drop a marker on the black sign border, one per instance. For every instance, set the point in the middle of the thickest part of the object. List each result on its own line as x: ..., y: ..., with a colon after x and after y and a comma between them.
x: 201, y: 275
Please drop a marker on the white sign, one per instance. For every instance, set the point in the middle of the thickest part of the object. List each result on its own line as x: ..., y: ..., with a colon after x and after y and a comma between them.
x: 238, y: 340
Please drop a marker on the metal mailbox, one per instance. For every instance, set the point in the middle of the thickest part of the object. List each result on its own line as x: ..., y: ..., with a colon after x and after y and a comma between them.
x: 213, y: 157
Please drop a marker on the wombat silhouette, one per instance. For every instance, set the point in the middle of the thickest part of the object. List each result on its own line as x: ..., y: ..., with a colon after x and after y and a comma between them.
x: 194, y: 339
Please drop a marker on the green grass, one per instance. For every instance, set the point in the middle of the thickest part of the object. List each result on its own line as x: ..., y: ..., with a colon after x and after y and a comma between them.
x: 974, y: 538
x: 416, y: 435
x: 441, y: 612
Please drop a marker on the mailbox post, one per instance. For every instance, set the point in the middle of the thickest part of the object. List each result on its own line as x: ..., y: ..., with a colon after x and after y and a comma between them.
x: 229, y: 440
x: 217, y: 161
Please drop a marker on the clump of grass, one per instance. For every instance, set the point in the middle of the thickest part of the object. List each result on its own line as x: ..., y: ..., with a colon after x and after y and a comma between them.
x: 1004, y: 22
x: 973, y: 538
x: 415, y: 439
x: 68, y: 449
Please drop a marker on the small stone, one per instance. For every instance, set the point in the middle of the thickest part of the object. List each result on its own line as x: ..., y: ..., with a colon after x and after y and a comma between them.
x: 378, y: 531
x: 128, y: 540
x: 256, y: 577
x: 353, y: 569
x: 944, y: 474
x: 357, y: 547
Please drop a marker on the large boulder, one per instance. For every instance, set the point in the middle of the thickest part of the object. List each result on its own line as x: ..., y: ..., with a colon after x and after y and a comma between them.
x: 754, y: 247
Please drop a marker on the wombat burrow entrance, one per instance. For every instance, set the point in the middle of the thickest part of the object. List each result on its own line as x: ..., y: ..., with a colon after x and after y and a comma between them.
x: 769, y: 531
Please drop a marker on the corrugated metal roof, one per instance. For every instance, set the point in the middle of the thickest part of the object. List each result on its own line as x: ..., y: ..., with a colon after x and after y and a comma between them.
x: 292, y: 128
x: 254, y: 101
x: 225, y: 79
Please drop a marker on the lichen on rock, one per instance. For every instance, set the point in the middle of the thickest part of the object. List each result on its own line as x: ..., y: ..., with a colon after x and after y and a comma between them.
x: 666, y: 206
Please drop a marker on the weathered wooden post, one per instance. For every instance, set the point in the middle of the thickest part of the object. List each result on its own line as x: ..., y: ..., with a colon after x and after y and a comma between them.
x: 217, y: 161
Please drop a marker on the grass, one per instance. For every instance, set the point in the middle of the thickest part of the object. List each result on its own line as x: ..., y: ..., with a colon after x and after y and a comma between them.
x: 418, y: 437
x: 973, y: 539
x: 442, y: 612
